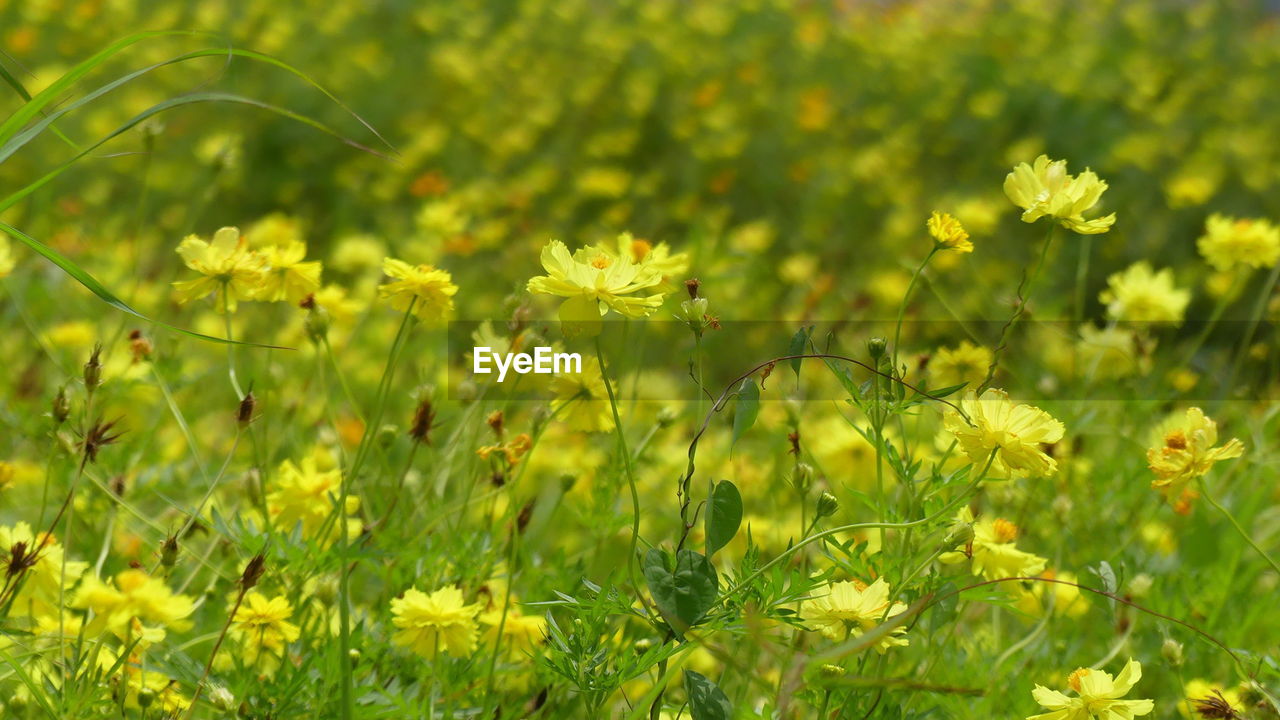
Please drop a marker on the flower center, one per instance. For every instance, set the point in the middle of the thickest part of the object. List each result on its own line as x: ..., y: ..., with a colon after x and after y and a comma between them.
x: 600, y: 262
x: 640, y: 249
x: 1005, y: 531
x: 1073, y: 680
x: 1176, y: 440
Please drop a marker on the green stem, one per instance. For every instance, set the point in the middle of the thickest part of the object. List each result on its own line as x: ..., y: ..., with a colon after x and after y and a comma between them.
x: 626, y: 464
x: 906, y: 298
x: 1259, y: 307
x: 1024, y: 297
x: 1204, y: 491
x: 231, y: 348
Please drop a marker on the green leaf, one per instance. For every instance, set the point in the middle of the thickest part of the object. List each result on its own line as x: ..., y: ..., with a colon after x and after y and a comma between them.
x: 799, y: 342
x: 97, y: 288
x: 683, y: 593
x: 724, y: 515
x: 748, y: 407
x: 706, y: 700
x: 1108, y: 578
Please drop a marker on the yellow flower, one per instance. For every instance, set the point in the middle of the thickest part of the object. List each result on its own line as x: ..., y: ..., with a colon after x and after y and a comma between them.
x: 1066, y: 599
x: 262, y: 626
x: 231, y: 271
x: 1013, y: 432
x: 581, y: 399
x: 1112, y: 352
x: 1187, y: 452
x: 430, y: 289
x: 594, y: 281
x: 1141, y: 295
x: 849, y: 609
x: 521, y: 634
x: 1228, y: 242
x: 133, y: 597
x: 6, y: 257
x: 948, y: 233
x: 994, y: 549
x: 1098, y: 695
x: 437, y: 622
x: 965, y: 363
x: 1044, y: 189
x: 274, y: 229
x: 654, y: 257
x: 287, y: 277
x: 305, y: 495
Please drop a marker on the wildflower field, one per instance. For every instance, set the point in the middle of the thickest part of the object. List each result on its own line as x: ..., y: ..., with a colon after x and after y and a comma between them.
x: 639, y: 360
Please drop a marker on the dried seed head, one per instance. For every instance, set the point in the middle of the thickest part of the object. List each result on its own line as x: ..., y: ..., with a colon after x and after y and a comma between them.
x: 140, y: 346
x: 526, y: 514
x: 423, y: 419
x: 793, y: 437
x: 1214, y: 706
x: 97, y: 437
x: 21, y: 558
x: 118, y: 486
x: 692, y: 285
x: 93, y: 369
x: 253, y: 571
x: 169, y: 552
x: 244, y: 413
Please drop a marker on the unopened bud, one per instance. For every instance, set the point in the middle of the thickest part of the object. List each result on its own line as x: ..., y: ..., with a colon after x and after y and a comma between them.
x: 1172, y: 652
x: 253, y: 571
x: 61, y: 406
x: 1140, y: 585
x: 567, y: 482
x: 876, y: 347
x: 666, y: 417
x: 317, y: 323
x: 93, y: 369
x: 423, y: 418
x: 146, y: 696
x: 828, y: 504
x: 222, y: 698
x: 169, y: 552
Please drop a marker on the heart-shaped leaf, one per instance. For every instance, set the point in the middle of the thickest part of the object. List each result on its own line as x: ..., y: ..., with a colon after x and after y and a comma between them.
x: 684, y: 591
x: 724, y: 515
x: 706, y: 700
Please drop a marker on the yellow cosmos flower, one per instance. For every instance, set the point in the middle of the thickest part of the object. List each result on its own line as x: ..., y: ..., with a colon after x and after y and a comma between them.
x: 304, y: 495
x: 1187, y: 452
x: 594, y: 281
x: 441, y: 621
x: 1013, y: 432
x: 851, y: 608
x: 521, y: 634
x: 262, y: 626
x: 287, y: 276
x: 581, y: 399
x: 430, y: 289
x: 230, y: 270
x: 1044, y: 189
x: 654, y: 257
x: 1067, y: 599
x: 1098, y: 695
x: 948, y: 233
x: 133, y: 597
x: 1228, y: 242
x: 964, y: 363
x: 1139, y: 294
x: 993, y: 550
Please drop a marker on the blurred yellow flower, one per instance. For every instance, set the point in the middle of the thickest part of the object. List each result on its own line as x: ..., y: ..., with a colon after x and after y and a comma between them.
x: 6, y: 257
x: 133, y: 595
x: 1139, y: 294
x: 849, y: 609
x: 429, y: 289
x: 1044, y: 189
x: 441, y: 621
x: 1187, y: 452
x: 230, y: 270
x: 262, y: 626
x: 287, y: 276
x: 964, y: 363
x: 1067, y: 599
x: 994, y: 549
x: 1013, y: 432
x: 948, y: 233
x: 304, y: 495
x: 581, y: 399
x: 1228, y: 242
x: 43, y: 557
x: 1098, y: 695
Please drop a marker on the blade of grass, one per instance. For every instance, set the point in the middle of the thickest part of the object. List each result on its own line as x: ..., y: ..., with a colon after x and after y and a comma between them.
x: 97, y: 288
x: 17, y: 86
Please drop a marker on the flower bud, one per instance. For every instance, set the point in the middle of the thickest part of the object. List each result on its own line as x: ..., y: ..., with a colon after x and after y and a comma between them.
x: 1172, y: 652
x: 61, y: 406
x: 666, y: 417
x: 876, y: 347
x: 222, y: 698
x: 828, y: 504
x: 317, y: 324
x: 169, y: 552
x: 146, y: 696
x: 244, y: 413
x: 802, y: 478
x: 93, y: 369
x: 1140, y: 585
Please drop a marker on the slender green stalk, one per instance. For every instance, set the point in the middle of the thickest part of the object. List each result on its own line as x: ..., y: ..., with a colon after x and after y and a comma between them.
x: 906, y: 298
x: 1024, y: 297
x: 231, y: 348
x: 1204, y: 491
x: 1259, y: 308
x: 626, y: 464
